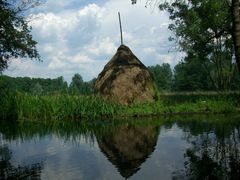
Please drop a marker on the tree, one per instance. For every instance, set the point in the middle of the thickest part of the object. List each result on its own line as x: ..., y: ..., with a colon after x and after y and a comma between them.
x: 236, y: 29
x: 206, y: 38
x: 231, y: 15
x: 76, y: 86
x: 190, y: 76
x: 88, y: 87
x: 33, y: 85
x: 162, y: 75
x: 15, y: 38
x: 37, y: 89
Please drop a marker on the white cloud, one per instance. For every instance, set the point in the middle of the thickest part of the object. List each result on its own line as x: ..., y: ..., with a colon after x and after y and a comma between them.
x: 103, y: 47
x: 81, y: 59
x: 56, y: 64
x: 76, y: 37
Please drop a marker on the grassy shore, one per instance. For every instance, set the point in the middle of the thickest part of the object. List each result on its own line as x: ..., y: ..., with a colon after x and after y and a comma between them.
x: 58, y: 107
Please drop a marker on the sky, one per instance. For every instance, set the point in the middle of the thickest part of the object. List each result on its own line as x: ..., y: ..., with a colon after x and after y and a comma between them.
x: 81, y: 36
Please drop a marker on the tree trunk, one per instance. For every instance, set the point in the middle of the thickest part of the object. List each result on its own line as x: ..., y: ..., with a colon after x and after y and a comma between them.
x: 236, y: 30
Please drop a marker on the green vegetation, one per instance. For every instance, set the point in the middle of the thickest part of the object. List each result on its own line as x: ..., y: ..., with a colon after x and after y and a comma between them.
x: 78, y: 86
x: 163, y: 76
x: 41, y: 86
x: 59, y: 107
x: 63, y: 107
x: 15, y: 35
x: 184, y: 103
x: 209, y: 43
x: 189, y: 75
x: 206, y: 30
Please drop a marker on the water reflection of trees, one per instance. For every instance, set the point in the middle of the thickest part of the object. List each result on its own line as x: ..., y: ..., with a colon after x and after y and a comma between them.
x: 9, y: 171
x: 128, y: 146
x: 214, y: 152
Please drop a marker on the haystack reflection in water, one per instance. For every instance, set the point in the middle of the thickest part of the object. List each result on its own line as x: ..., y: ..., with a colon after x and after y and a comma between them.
x: 128, y: 146
x: 197, y: 147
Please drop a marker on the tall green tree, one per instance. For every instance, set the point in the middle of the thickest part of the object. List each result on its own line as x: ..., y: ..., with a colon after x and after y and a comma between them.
x: 162, y: 75
x: 190, y: 76
x: 77, y: 84
x: 236, y: 29
x: 203, y: 30
x: 37, y: 89
x: 228, y: 14
x: 15, y: 38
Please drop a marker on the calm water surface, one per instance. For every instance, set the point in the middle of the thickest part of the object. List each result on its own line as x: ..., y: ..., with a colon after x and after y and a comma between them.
x: 197, y: 147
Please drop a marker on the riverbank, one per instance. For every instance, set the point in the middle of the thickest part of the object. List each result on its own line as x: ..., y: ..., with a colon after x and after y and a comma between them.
x: 57, y: 107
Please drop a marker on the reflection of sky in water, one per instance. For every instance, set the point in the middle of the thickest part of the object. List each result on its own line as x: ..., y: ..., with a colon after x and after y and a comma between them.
x: 81, y: 157
x: 167, y: 157
x: 66, y: 159
x: 61, y: 159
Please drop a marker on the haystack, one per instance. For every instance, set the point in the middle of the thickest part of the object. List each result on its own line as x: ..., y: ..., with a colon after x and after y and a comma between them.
x: 126, y: 80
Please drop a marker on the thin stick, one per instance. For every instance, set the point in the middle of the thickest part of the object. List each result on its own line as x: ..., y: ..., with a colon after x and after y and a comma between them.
x: 119, y: 17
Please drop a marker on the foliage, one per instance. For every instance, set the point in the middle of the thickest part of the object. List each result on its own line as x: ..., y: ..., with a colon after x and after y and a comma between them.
x: 204, y: 30
x: 235, y: 6
x: 36, y: 98
x: 58, y: 107
x: 159, y: 107
x: 37, y: 89
x: 64, y: 107
x: 78, y: 86
x: 7, y: 103
x: 41, y: 86
x: 162, y: 75
x: 207, y: 40
x: 15, y: 38
x: 35, y: 85
x: 190, y: 76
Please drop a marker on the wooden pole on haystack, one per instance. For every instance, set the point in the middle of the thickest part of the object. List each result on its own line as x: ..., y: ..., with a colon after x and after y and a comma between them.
x: 119, y: 17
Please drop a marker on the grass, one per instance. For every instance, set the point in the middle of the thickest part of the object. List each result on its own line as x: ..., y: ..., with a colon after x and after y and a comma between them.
x: 58, y: 107
x: 64, y: 107
x: 201, y: 107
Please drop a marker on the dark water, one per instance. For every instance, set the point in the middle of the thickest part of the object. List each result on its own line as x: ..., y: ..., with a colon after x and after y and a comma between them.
x: 197, y: 147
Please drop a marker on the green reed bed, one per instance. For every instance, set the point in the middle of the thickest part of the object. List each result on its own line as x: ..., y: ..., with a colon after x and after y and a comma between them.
x: 198, y: 96
x: 188, y: 103
x: 63, y: 107
x: 198, y: 107
x: 59, y: 107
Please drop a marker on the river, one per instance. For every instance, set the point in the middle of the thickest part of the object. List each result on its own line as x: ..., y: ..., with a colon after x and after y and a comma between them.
x: 178, y: 147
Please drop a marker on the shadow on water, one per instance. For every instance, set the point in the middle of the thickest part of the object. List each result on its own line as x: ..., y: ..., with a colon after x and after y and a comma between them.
x: 213, y: 150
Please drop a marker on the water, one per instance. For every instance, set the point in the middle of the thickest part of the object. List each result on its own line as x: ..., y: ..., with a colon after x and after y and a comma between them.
x: 197, y: 147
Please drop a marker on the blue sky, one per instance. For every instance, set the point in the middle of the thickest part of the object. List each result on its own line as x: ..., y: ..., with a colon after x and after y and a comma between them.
x: 81, y: 36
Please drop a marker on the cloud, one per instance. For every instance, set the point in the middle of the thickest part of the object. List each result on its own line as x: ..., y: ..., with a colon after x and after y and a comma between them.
x: 80, y: 36
x: 103, y: 47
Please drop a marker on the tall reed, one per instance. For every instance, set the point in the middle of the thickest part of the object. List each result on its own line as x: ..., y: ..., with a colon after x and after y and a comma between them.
x: 64, y: 107
x: 58, y: 107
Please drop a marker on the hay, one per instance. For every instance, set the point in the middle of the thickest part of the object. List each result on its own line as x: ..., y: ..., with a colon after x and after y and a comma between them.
x: 125, y: 79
